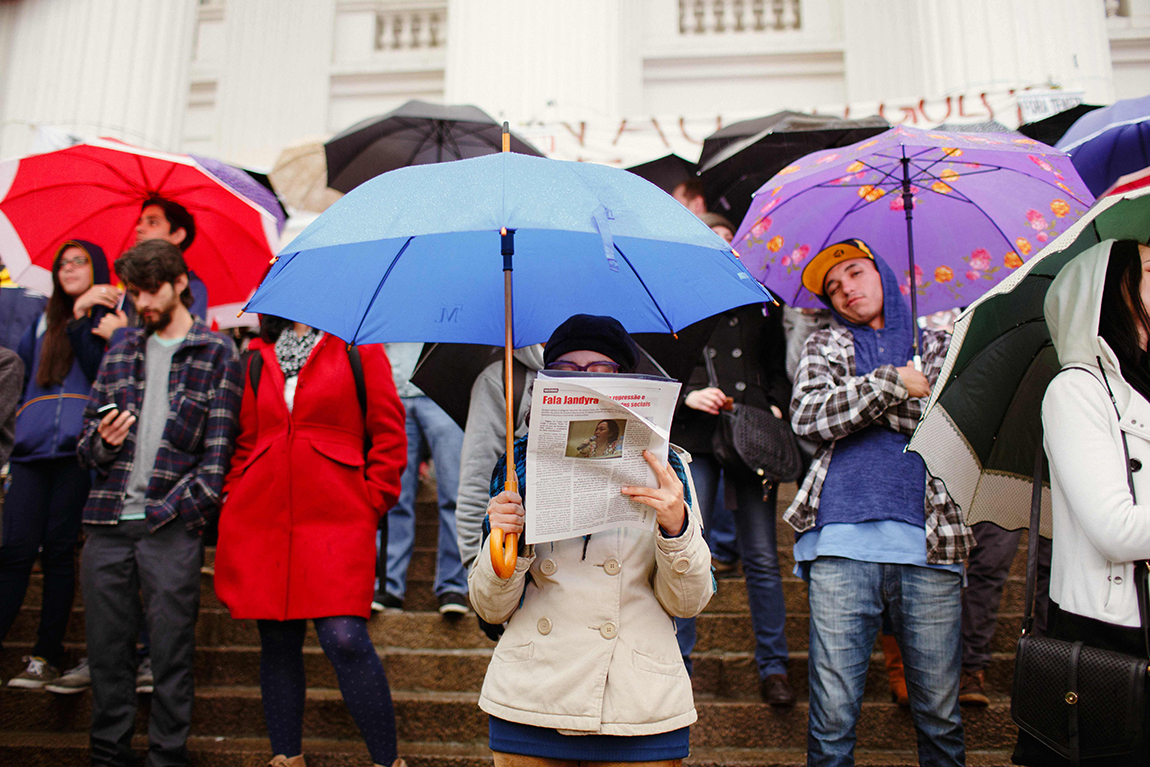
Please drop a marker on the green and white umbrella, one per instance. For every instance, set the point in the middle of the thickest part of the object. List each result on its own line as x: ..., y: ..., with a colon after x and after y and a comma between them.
x: 982, y: 424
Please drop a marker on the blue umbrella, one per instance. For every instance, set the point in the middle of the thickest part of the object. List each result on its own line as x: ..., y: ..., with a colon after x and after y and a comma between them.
x: 1110, y: 142
x: 425, y: 253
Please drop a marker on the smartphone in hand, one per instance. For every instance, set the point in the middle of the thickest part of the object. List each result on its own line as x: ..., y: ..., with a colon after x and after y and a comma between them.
x: 111, y: 407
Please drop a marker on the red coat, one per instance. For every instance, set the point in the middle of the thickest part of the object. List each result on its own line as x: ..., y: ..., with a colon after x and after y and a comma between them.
x: 297, y: 529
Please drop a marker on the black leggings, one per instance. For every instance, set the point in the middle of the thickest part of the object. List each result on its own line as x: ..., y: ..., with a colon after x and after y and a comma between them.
x: 362, y: 682
x: 42, y: 518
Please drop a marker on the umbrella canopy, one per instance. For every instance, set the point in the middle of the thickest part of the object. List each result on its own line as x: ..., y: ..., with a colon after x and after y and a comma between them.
x: 1130, y: 182
x: 300, y: 178
x: 667, y: 172
x: 1110, y: 142
x: 416, y: 255
x: 982, y: 424
x: 94, y: 191
x: 731, y: 175
x: 1049, y: 130
x: 980, y: 204
x: 414, y: 134
x: 446, y: 372
x: 252, y: 184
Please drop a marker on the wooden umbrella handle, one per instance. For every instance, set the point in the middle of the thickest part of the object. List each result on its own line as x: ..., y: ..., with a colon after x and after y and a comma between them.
x: 504, y: 552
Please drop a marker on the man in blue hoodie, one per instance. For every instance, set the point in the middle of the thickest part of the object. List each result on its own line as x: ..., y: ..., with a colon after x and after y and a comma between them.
x: 875, y: 530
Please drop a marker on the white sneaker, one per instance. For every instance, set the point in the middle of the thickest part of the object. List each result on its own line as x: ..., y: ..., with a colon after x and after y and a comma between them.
x: 145, y: 682
x: 74, y: 680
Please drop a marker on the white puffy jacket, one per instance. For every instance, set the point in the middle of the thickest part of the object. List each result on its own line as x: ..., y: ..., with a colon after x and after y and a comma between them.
x: 592, y: 647
x: 1098, y: 530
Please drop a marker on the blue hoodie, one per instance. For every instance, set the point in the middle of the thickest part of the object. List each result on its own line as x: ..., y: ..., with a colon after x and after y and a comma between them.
x: 50, y: 418
x: 870, y: 477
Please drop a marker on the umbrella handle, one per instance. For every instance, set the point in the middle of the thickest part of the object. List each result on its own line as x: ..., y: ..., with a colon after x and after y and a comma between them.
x: 504, y: 552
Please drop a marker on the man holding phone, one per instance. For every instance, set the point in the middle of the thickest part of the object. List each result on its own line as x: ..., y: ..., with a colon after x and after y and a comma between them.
x: 159, y: 432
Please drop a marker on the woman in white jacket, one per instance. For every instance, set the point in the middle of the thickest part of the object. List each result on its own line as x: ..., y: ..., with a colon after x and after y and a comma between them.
x: 1098, y: 312
x: 588, y: 669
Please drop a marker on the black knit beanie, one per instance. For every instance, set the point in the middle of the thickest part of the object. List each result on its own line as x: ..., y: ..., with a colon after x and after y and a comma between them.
x: 593, y: 333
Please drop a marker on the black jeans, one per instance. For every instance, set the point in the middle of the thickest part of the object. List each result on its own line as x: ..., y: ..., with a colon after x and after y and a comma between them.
x: 42, y: 518
x: 120, y: 563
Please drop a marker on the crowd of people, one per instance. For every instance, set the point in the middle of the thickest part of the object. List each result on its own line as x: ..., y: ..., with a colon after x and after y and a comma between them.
x: 131, y: 424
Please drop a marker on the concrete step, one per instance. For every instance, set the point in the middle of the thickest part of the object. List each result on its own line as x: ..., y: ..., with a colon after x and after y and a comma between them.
x: 730, y: 632
x: 33, y: 749
x: 229, y: 712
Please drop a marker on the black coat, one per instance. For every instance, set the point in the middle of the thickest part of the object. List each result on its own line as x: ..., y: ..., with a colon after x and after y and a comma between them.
x: 749, y: 353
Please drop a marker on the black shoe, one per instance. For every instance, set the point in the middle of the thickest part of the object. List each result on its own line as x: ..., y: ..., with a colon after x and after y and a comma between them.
x: 385, y: 601
x: 776, y: 691
x: 453, y: 604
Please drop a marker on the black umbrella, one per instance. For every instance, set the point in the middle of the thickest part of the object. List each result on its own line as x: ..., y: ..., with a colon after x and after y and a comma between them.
x: 1049, y: 129
x: 416, y: 133
x: 744, y: 129
x: 667, y: 172
x: 446, y: 372
x: 732, y: 175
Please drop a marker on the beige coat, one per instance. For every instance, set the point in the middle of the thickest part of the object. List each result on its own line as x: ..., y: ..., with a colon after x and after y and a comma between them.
x: 592, y: 647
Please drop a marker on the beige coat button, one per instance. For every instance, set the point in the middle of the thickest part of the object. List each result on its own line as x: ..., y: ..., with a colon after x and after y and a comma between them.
x: 609, y: 630
x: 544, y: 625
x: 681, y: 565
x: 548, y: 567
x: 611, y: 567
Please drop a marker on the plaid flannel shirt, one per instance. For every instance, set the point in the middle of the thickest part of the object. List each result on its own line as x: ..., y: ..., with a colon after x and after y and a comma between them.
x: 830, y: 402
x: 205, y: 386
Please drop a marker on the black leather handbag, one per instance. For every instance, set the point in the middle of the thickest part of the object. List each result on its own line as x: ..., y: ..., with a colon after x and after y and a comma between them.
x: 752, y: 438
x: 1081, y: 702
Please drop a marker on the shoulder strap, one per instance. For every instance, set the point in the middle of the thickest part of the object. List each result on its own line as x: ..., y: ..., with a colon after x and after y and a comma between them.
x: 255, y: 362
x: 712, y: 379
x: 357, y: 373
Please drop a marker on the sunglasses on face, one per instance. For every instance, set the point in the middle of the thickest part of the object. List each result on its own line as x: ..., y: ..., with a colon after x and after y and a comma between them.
x: 77, y: 261
x: 602, y: 366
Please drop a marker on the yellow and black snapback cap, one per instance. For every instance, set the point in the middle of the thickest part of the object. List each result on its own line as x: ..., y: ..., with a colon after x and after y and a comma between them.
x: 815, y: 273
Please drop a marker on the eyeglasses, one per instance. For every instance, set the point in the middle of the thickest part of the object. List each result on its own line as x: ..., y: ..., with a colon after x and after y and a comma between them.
x: 602, y: 366
x: 77, y: 261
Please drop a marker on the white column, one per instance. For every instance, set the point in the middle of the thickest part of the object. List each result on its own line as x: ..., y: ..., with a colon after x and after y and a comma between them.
x: 932, y: 48
x: 273, y: 88
x: 533, y: 59
x: 97, y: 67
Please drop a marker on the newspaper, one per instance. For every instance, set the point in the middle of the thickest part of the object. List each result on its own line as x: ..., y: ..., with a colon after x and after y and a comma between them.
x: 587, y: 437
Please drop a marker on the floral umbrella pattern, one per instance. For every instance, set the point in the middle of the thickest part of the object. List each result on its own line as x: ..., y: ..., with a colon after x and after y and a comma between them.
x: 982, y: 203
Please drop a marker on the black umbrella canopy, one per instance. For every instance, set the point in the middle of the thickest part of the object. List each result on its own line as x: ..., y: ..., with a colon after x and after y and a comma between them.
x: 667, y: 172
x: 446, y: 372
x: 737, y: 131
x: 732, y: 176
x: 1050, y: 129
x: 416, y: 133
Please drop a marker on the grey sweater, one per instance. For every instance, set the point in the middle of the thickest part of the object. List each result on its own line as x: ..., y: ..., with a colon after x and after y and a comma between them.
x: 484, y: 440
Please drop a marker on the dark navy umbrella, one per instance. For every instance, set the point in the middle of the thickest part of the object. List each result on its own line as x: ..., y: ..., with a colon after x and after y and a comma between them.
x: 1108, y: 143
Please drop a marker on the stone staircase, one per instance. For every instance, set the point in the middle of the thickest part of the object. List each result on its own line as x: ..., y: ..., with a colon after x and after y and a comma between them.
x: 436, y: 667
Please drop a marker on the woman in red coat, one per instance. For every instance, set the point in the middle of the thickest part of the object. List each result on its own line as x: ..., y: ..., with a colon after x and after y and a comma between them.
x: 312, y: 474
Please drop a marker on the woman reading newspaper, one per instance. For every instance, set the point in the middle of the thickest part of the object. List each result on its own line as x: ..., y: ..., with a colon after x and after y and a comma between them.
x: 588, y: 669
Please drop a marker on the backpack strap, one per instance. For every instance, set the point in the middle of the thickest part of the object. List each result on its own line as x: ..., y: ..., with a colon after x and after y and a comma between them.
x: 255, y: 364
x: 357, y: 373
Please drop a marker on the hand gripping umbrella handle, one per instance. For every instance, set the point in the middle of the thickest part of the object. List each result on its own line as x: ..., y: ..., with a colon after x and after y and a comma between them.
x: 505, y: 548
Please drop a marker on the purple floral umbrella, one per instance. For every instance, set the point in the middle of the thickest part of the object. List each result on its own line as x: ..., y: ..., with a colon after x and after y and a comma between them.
x: 959, y: 210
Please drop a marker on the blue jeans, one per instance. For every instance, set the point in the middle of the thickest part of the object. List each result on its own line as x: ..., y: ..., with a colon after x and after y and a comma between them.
x: 925, y: 607
x: 429, y: 430
x: 755, y: 526
x: 721, y: 532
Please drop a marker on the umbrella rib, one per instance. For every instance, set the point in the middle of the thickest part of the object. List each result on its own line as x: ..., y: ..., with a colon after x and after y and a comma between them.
x: 378, y: 288
x: 418, y: 148
x: 670, y: 327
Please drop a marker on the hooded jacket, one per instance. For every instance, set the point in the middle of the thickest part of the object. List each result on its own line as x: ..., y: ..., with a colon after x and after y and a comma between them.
x: 1099, y: 530
x: 50, y: 418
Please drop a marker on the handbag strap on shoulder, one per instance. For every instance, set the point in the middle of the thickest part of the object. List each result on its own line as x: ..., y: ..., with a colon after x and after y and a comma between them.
x: 712, y: 379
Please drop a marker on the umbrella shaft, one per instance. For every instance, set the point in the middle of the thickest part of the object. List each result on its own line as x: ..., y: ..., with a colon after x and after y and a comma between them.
x: 908, y: 207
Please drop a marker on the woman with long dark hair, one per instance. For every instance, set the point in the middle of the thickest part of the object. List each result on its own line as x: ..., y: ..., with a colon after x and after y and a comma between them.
x: 43, y: 506
x: 317, y: 463
x: 1099, y: 319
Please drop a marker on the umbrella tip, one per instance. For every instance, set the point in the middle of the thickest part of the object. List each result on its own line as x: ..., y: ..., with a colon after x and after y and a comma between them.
x: 239, y: 314
x: 506, y: 137
x: 274, y: 259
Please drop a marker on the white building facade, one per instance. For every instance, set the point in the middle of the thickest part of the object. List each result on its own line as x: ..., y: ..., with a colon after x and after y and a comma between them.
x: 618, y: 81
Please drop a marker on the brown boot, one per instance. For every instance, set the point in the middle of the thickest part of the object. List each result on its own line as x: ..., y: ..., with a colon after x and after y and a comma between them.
x: 279, y: 760
x: 971, y: 689
x: 893, y: 657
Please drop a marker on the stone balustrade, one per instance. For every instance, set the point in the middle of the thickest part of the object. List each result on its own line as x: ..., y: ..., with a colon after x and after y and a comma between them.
x: 736, y: 17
